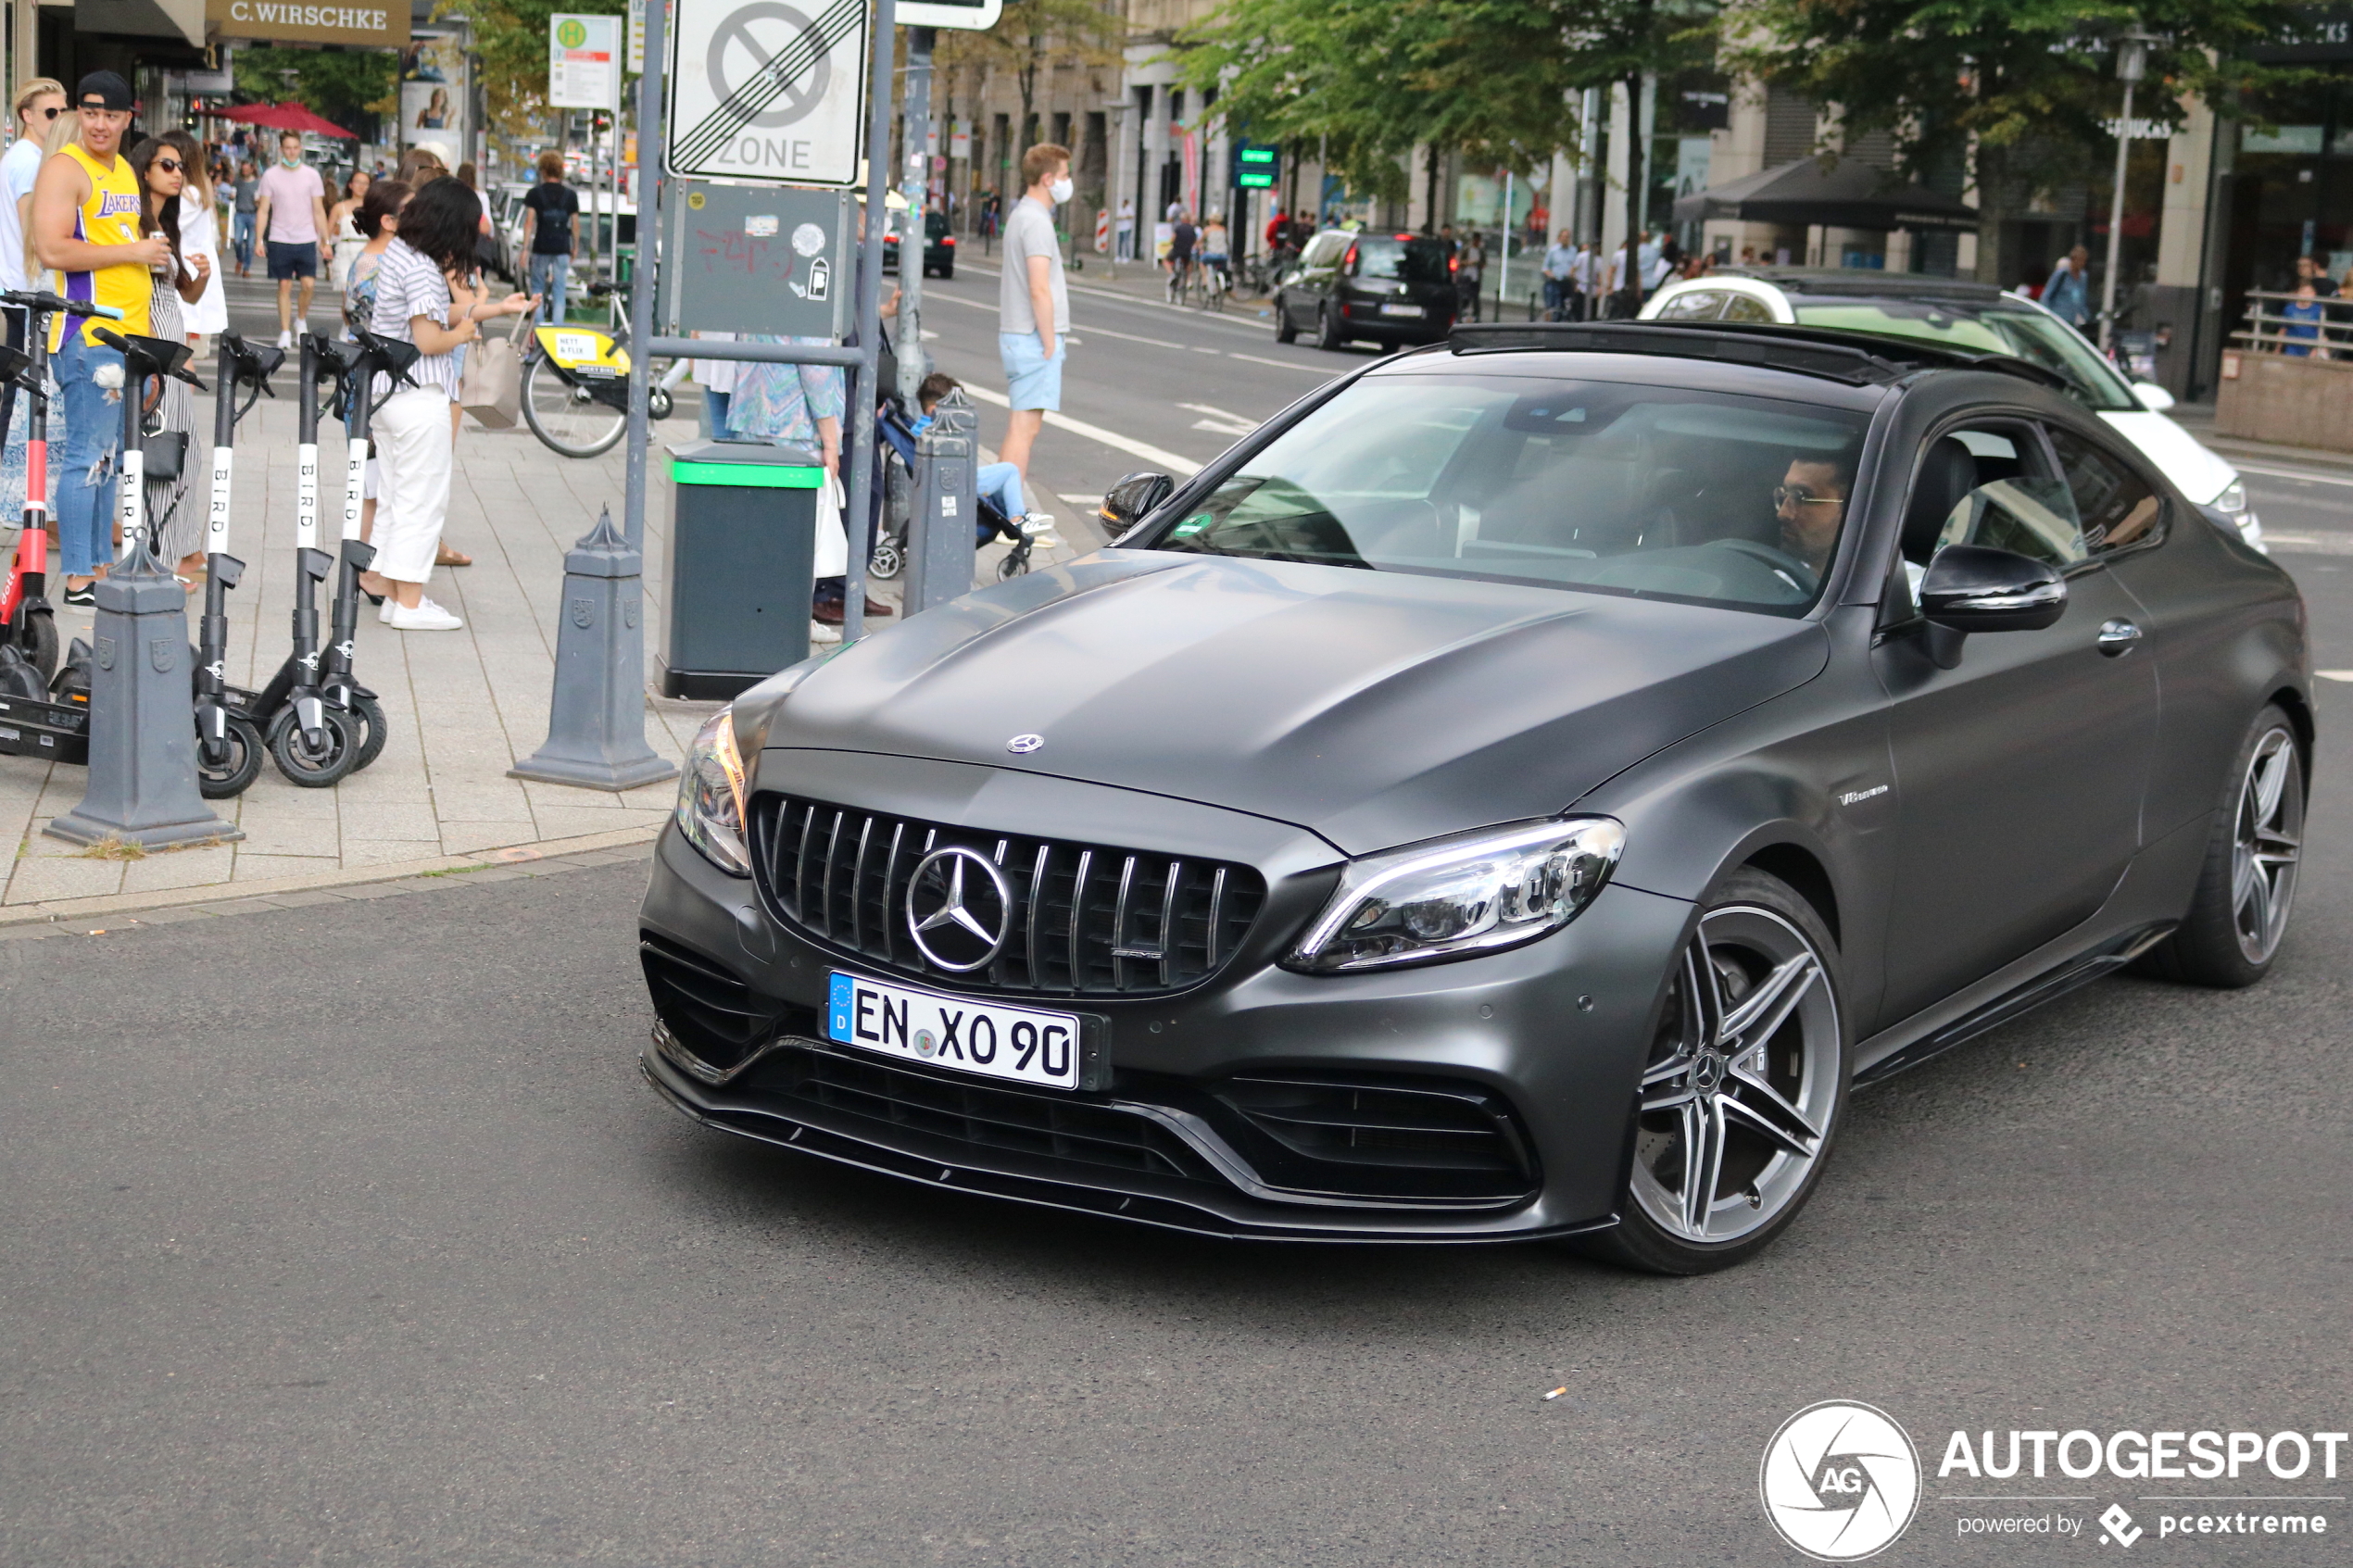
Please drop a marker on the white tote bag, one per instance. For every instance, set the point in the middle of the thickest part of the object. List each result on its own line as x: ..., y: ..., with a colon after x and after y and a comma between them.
x: 832, y: 543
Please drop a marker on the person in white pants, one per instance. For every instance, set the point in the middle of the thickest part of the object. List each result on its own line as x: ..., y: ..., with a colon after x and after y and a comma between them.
x: 425, y: 294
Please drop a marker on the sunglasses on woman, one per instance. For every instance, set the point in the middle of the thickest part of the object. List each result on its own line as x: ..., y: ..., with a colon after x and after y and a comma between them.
x: 170, y: 165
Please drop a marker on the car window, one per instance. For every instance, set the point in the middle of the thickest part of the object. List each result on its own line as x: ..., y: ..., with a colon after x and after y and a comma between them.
x: 2020, y: 330
x: 1626, y: 489
x: 2118, y: 506
x: 1323, y: 249
x: 2017, y: 504
x: 1696, y: 304
x: 1402, y: 258
x: 1747, y: 307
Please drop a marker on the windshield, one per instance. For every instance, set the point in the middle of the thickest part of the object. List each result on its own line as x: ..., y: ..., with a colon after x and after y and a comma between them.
x: 1408, y: 260
x: 1657, y: 491
x: 2012, y: 329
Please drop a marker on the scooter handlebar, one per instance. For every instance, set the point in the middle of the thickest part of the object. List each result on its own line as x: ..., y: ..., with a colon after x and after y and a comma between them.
x: 49, y: 304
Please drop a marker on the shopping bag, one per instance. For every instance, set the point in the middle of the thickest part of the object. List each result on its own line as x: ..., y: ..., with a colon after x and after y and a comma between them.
x: 833, y: 543
x: 491, y: 389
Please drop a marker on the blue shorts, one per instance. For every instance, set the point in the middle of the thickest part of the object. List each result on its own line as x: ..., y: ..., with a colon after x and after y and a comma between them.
x: 1032, y: 381
x: 293, y: 259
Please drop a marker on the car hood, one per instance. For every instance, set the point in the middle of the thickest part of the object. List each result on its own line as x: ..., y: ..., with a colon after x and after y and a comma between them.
x: 1374, y: 709
x: 2194, y: 471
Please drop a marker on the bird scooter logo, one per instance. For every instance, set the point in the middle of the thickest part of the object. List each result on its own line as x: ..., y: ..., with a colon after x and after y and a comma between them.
x: 1840, y: 1481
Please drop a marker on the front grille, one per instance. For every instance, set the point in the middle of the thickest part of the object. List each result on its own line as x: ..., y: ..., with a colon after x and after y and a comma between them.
x: 713, y: 1015
x: 1408, y: 1139
x: 1065, y: 1131
x: 1088, y: 920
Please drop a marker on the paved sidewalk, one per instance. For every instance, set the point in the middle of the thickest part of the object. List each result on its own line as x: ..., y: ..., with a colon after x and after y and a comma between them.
x: 463, y: 705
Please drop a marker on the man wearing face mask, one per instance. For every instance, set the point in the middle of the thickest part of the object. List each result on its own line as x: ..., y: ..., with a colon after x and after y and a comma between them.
x: 294, y: 230
x: 1033, y: 305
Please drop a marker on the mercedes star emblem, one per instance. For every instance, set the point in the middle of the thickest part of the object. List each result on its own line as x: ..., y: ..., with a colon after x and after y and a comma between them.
x: 1021, y: 746
x: 959, y: 909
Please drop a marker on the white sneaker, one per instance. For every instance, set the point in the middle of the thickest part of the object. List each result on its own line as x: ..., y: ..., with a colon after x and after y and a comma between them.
x: 427, y: 617
x: 285, y: 340
x: 1039, y: 526
x: 383, y: 611
x: 820, y: 633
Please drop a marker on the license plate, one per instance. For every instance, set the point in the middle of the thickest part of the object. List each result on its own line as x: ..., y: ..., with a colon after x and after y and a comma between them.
x: 1400, y: 309
x: 1020, y: 1045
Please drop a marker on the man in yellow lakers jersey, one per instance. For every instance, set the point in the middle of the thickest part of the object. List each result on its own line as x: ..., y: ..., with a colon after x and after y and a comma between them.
x: 86, y: 210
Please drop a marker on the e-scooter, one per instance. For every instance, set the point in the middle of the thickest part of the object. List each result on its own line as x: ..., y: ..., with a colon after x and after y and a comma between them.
x: 360, y: 360
x: 315, y: 744
x: 26, y: 621
x: 228, y: 734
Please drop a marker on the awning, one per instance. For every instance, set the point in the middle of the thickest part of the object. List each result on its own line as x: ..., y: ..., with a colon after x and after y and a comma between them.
x: 1850, y: 195
x: 288, y: 115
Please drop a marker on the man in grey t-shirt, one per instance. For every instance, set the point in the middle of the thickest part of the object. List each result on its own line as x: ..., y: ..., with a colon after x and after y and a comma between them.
x: 1033, y: 303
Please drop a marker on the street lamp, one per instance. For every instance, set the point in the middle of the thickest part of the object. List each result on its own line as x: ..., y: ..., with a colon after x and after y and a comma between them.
x: 2132, y: 64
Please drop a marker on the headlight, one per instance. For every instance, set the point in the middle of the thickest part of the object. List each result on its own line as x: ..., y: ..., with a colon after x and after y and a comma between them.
x: 2232, y: 500
x: 710, y: 796
x: 1453, y: 897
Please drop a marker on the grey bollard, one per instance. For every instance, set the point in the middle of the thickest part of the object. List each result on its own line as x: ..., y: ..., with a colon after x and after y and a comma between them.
x: 143, y: 732
x: 940, y: 533
x: 597, y: 723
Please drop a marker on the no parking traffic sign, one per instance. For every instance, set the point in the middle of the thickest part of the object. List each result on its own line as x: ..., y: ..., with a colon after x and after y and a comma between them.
x: 768, y: 90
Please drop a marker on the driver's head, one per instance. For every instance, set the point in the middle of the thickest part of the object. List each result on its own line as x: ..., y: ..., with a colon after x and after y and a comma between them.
x: 1811, y: 504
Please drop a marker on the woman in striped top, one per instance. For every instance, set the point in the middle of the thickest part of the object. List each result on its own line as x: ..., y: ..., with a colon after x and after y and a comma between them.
x: 426, y: 296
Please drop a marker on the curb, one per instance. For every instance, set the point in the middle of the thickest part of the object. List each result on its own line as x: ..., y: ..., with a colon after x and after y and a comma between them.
x: 69, y: 917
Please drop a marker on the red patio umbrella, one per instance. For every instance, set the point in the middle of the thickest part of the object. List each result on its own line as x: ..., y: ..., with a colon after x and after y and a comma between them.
x: 288, y: 115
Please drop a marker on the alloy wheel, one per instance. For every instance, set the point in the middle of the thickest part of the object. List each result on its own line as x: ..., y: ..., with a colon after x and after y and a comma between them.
x: 2266, y: 846
x: 1744, y: 1080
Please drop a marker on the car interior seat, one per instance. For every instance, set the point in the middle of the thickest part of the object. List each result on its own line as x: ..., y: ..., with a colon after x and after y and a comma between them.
x: 1947, y: 475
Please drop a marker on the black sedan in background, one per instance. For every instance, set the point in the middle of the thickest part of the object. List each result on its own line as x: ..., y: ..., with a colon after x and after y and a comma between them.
x: 1519, y: 793
x: 1353, y: 286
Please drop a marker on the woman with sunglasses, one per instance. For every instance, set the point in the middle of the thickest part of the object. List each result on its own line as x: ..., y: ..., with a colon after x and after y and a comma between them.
x: 163, y: 168
x: 38, y: 104
x: 199, y: 236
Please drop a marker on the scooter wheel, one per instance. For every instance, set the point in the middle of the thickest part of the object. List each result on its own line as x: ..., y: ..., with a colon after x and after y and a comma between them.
x: 329, y: 764
x: 885, y: 561
x: 39, y: 643
x: 242, y: 765
x: 658, y: 403
x: 368, y: 714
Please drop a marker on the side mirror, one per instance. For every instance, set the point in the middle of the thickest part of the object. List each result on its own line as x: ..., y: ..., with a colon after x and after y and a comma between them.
x: 1974, y: 588
x: 2153, y: 398
x: 1127, y: 502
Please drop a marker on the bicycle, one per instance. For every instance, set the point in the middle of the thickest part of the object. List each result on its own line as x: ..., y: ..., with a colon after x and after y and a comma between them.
x: 576, y: 381
x: 1180, y: 278
x: 1216, y: 284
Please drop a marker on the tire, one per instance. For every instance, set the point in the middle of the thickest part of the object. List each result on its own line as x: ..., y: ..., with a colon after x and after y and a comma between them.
x: 1285, y: 329
x: 1016, y: 563
x: 236, y: 775
x: 658, y: 404
x: 561, y: 416
x: 885, y: 562
x: 1764, y: 972
x: 948, y: 271
x: 40, y: 647
x: 334, y: 762
x: 2246, y: 887
x: 1328, y: 332
x: 369, y: 715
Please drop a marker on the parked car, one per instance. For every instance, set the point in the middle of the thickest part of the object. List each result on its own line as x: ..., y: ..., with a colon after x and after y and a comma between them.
x: 939, y: 245
x: 1969, y: 315
x: 1517, y: 794
x: 1379, y: 288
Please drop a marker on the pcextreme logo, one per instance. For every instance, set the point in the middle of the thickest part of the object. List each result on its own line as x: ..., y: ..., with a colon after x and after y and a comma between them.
x: 1840, y: 1481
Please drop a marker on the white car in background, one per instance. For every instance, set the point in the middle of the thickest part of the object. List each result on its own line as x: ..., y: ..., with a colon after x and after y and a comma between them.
x: 1967, y: 315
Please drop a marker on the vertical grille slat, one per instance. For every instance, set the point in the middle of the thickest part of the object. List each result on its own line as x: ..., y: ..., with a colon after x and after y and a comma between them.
x: 1156, y: 923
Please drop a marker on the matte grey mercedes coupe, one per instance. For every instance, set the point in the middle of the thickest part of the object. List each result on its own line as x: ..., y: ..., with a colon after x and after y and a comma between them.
x: 1517, y: 793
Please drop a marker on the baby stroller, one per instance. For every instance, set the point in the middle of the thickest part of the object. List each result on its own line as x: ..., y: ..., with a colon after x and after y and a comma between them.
x: 897, y: 491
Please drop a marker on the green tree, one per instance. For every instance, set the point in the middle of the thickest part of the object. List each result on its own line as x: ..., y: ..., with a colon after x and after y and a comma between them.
x: 2025, y: 88
x: 511, y: 41
x: 1032, y: 37
x: 341, y: 85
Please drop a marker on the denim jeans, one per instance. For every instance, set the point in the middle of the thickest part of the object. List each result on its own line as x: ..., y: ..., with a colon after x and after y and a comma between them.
x: 548, y: 277
x: 1000, y: 483
x: 87, y: 493
x: 241, y: 237
x: 714, y: 414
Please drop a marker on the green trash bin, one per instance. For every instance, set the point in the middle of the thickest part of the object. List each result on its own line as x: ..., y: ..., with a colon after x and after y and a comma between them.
x: 743, y: 542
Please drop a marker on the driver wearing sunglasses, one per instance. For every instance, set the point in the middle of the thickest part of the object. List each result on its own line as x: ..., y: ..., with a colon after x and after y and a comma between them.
x: 1810, y: 503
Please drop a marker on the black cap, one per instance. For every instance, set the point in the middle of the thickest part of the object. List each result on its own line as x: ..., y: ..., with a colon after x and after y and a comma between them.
x: 112, y: 91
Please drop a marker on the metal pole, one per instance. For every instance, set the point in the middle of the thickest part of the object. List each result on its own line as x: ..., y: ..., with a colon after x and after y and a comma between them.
x: 870, y: 280
x: 2131, y: 59
x: 641, y: 297
x: 912, y: 363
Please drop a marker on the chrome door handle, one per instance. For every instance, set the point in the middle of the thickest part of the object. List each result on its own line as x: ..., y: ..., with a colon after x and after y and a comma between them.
x: 2117, y: 636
